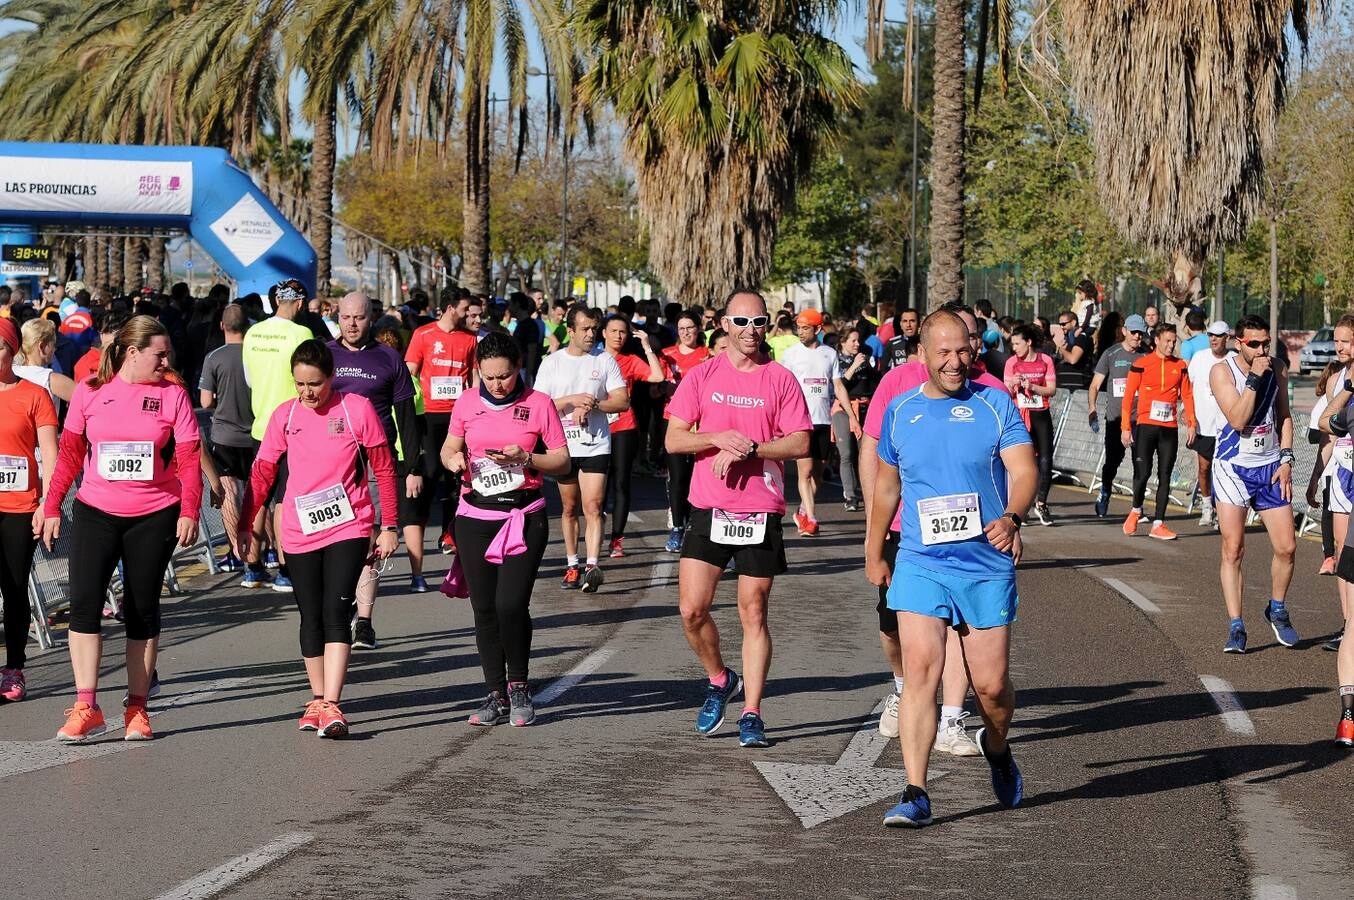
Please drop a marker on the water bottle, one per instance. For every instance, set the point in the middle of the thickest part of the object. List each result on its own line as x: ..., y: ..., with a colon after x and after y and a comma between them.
x: 1095, y: 425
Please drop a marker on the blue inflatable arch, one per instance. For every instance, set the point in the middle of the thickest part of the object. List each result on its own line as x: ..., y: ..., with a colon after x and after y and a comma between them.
x: 198, y: 189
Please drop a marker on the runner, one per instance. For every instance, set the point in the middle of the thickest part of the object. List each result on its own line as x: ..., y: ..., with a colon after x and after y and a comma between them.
x: 1341, y: 490
x: 501, y: 525
x: 741, y: 417
x: 109, y: 323
x: 815, y: 368
x: 222, y: 389
x: 1112, y: 368
x: 959, y: 543
x: 681, y: 359
x: 1031, y: 379
x: 327, y: 516
x: 1253, y: 466
x: 586, y: 385
x: 1206, y: 409
x: 856, y: 369
x: 131, y: 436
x: 624, y: 436
x: 1157, y: 384
x: 27, y: 420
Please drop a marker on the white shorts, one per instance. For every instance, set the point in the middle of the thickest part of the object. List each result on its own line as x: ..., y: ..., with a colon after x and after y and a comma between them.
x: 1336, y: 497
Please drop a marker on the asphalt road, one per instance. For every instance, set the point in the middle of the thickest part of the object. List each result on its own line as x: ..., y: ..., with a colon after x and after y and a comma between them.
x: 1137, y: 784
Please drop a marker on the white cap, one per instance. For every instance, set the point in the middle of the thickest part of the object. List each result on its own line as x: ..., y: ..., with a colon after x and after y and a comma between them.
x: 1219, y: 328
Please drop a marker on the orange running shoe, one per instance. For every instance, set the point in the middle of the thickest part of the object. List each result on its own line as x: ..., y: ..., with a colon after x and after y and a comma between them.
x: 617, y: 548
x: 812, y: 529
x: 310, y: 719
x: 136, y: 724
x: 82, y: 722
x: 1131, y: 523
x: 332, y: 722
x: 1160, y: 532
x: 1344, y: 733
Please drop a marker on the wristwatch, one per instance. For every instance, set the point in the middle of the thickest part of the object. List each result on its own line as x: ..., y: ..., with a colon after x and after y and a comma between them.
x: 1014, y: 517
x: 753, y: 452
x: 390, y: 529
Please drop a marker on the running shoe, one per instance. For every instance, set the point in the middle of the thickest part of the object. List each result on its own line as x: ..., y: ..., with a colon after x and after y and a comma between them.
x: 364, y: 636
x: 333, y: 724
x: 281, y: 583
x: 752, y: 731
x: 1161, y: 532
x: 1042, y: 514
x: 1007, y: 782
x: 592, y: 579
x: 254, y: 576
x: 1236, y: 640
x: 851, y: 506
x: 1284, y: 632
x: 229, y: 563
x: 1208, y: 516
x: 913, y: 810
x: 674, y: 544
x: 1344, y: 733
x: 1131, y: 523
x: 310, y: 719
x: 617, y: 550
x: 888, y: 719
x: 270, y: 560
x: 1327, y: 566
x: 573, y: 577
x: 951, y: 738
x: 13, y: 685
x: 521, y: 711
x: 136, y: 724
x: 418, y: 584
x: 1333, y: 645
x: 711, y: 714
x: 111, y: 611
x: 82, y: 722
x: 1102, y: 505
x: 802, y: 521
x: 446, y: 543
x: 491, y: 712
x: 151, y: 693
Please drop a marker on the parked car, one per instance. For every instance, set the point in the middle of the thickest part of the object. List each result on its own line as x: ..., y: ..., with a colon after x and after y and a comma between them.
x: 1318, y: 351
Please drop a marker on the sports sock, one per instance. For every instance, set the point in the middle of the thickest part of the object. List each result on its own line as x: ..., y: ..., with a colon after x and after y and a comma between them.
x: 754, y: 710
x: 136, y: 700
x: 950, y: 713
x: 721, y: 680
x: 573, y: 559
x: 897, y: 685
x: 1237, y: 623
x: 87, y: 696
x: 592, y: 560
x: 1347, y: 701
x: 1156, y: 522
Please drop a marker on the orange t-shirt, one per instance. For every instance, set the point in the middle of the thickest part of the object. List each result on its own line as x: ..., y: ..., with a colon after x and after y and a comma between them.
x: 87, y: 366
x: 445, y: 362
x: 24, y: 408
x: 1159, y: 384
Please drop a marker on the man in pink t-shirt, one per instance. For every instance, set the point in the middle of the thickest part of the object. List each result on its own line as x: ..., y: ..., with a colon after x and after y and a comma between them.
x: 741, y: 415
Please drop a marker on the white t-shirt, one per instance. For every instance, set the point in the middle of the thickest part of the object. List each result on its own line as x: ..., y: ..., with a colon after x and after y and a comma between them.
x: 1206, y: 408
x: 595, y: 374
x: 814, y: 368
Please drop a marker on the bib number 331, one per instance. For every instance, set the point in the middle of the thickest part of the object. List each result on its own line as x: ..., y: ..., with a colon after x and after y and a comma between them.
x: 944, y: 520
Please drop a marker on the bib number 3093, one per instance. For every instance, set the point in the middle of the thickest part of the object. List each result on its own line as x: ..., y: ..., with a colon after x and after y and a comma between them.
x: 944, y: 520
x: 737, y: 529
x: 324, y: 509
x: 127, y: 460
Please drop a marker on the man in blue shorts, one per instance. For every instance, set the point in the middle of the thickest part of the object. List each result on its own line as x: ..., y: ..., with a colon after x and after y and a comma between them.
x: 966, y: 457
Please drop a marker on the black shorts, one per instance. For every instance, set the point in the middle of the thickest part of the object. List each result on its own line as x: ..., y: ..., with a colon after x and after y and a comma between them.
x: 599, y: 465
x: 233, y: 462
x: 820, y: 443
x: 888, y: 619
x: 280, y: 482
x: 764, y: 560
x: 1204, y: 446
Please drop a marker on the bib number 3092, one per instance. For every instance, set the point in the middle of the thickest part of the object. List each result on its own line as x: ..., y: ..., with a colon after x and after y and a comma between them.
x: 944, y: 520
x: 737, y: 529
x: 127, y: 460
x: 324, y: 509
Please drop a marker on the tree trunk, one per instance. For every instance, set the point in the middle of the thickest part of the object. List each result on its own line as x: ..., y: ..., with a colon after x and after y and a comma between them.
x: 131, y: 265
x: 116, y: 250
x: 475, y: 246
x: 155, y: 276
x: 945, y: 279
x: 88, y: 254
x: 322, y: 161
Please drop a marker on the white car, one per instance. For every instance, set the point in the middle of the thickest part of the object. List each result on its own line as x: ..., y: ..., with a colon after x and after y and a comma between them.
x: 1318, y: 351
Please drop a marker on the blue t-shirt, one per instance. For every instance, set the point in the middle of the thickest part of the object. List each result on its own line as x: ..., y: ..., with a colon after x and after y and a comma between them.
x: 1191, y: 346
x: 951, y: 448
x: 876, y: 346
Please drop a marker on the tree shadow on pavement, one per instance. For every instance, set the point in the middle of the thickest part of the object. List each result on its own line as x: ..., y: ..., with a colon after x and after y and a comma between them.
x: 1088, y: 562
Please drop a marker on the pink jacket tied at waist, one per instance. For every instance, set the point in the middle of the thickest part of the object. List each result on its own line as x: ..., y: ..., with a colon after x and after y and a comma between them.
x: 509, y: 541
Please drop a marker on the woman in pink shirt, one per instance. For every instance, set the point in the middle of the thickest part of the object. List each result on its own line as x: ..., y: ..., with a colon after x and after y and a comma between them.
x: 1032, y: 381
x: 331, y: 438
x: 502, y: 439
x: 131, y: 434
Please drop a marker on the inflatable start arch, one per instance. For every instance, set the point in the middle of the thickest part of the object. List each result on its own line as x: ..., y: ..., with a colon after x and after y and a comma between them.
x: 198, y: 189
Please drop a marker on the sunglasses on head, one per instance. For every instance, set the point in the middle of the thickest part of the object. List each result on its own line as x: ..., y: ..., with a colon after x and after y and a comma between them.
x: 754, y: 321
x: 1255, y: 345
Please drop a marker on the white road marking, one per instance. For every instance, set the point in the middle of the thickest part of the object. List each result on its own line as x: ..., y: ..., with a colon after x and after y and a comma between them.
x: 1270, y: 891
x: 1133, y: 596
x: 214, y: 881
x: 1234, y: 717
x: 589, y: 664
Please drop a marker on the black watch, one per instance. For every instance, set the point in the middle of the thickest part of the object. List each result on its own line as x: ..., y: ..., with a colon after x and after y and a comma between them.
x: 390, y: 529
x: 1014, y: 517
x: 752, y: 454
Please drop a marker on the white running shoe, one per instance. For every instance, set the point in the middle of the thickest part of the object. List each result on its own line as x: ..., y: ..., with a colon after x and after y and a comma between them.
x: 1208, y: 517
x: 888, y: 719
x: 954, y: 740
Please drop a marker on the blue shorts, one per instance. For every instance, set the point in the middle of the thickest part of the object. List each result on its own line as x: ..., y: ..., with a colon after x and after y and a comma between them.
x: 1247, y: 485
x: 958, y: 599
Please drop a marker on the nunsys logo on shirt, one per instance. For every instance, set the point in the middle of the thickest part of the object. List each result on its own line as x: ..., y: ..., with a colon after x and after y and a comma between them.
x: 736, y: 400
x: 961, y: 414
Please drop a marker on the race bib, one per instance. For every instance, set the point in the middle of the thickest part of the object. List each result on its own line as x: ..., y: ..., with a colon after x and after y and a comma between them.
x: 815, y: 387
x: 1259, y: 441
x: 1030, y: 401
x: 613, y: 418
x: 127, y: 460
x: 578, y: 436
x: 489, y: 478
x: 954, y: 517
x: 324, y: 509
x: 1162, y: 411
x: 1118, y: 387
x: 446, y: 387
x: 737, y: 529
x: 1344, y: 453
x: 13, y: 473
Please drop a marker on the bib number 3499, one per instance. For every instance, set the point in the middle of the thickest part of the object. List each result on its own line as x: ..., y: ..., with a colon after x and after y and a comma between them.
x: 944, y: 520
x: 324, y: 509
x: 737, y: 529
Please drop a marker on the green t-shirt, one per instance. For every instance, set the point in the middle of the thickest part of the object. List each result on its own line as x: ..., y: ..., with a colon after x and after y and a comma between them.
x: 268, y: 348
x: 778, y: 343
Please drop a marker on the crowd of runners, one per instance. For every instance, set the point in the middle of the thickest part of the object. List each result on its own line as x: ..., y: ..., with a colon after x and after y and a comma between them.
x: 337, y: 428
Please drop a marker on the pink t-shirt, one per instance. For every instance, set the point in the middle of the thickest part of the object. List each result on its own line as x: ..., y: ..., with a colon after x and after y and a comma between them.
x: 1038, y: 371
x: 132, y: 430
x: 764, y: 404
x: 532, y: 419
x: 326, y: 472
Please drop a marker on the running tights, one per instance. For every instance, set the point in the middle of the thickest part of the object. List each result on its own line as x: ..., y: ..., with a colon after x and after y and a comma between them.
x: 624, y: 446
x: 324, y: 582
x: 848, y: 448
x: 434, y: 436
x: 143, y: 543
x: 680, y: 466
x: 1114, y: 454
x: 16, y: 560
x: 500, y: 595
x: 1165, y: 443
x: 1041, y: 432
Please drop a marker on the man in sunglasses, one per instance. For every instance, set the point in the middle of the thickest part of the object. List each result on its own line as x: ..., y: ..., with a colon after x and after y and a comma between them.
x: 751, y: 417
x: 1253, y: 466
x: 1112, y: 369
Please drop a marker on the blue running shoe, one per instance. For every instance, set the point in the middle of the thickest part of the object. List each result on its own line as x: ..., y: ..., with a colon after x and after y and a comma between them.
x: 711, y: 715
x: 270, y: 560
x: 254, y: 576
x: 1007, y: 783
x: 281, y: 583
x: 752, y: 731
x: 913, y: 810
x: 1277, y: 617
x: 674, y: 544
x: 1102, y: 505
x: 1236, y: 640
x: 229, y: 563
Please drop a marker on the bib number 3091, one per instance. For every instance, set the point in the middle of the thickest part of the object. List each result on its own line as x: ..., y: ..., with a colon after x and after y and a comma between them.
x: 324, y: 509
x: 737, y: 529
x: 488, y: 478
x: 944, y: 520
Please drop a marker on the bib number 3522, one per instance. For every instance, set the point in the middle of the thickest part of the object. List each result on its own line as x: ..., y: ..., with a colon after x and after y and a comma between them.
x: 737, y: 529
x: 127, y: 460
x: 954, y: 517
x: 324, y: 509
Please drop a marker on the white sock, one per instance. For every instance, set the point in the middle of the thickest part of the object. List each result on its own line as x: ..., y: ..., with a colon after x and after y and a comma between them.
x: 950, y: 713
x: 897, y: 685
x: 573, y: 559
x: 1156, y: 522
x: 592, y: 560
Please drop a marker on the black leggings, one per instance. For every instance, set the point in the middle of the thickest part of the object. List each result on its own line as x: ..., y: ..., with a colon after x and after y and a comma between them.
x: 324, y: 582
x: 1114, y: 454
x: 1165, y: 443
x: 145, y: 545
x: 680, y: 466
x: 434, y: 435
x: 1327, y: 522
x: 16, y: 561
x: 501, y: 595
x: 1041, y: 432
x: 624, y: 446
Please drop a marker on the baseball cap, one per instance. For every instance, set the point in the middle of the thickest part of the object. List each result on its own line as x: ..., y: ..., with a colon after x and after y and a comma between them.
x: 1135, y: 322
x: 52, y: 279
x: 1219, y: 328
x: 809, y: 317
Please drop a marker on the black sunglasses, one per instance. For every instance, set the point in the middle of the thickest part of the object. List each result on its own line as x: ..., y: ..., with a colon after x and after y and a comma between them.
x: 1255, y: 345
x: 754, y: 321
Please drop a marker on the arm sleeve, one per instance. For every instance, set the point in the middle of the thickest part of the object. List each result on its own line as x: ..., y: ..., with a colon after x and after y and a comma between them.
x: 1130, y: 394
x: 188, y: 466
x: 70, y: 458
x: 411, y: 433
x: 383, y: 466
x: 261, y: 478
x: 1339, y: 426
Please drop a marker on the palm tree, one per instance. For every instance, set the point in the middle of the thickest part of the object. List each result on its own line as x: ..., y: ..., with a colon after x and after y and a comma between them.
x: 724, y: 104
